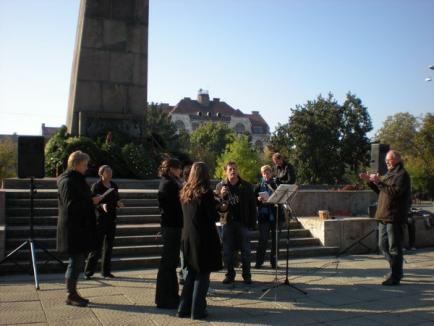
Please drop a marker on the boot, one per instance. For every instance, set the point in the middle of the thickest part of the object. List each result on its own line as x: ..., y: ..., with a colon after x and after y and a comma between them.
x: 73, y: 298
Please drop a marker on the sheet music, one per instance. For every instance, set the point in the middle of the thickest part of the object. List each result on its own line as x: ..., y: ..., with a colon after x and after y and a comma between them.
x: 109, y: 190
x: 282, y: 193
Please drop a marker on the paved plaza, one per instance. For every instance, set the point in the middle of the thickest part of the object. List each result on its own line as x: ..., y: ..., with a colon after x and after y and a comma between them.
x: 342, y: 291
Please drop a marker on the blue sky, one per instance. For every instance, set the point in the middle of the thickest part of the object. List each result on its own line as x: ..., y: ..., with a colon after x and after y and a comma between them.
x: 254, y: 54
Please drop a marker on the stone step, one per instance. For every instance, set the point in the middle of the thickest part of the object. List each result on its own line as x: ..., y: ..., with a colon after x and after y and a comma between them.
x: 52, y: 220
x: 135, y: 243
x: 51, y: 183
x: 52, y: 203
x: 144, y: 262
x: 53, y: 211
x: 20, y: 231
x: 52, y: 194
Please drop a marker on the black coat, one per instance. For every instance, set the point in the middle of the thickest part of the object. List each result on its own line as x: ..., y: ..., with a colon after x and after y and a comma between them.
x: 111, y: 199
x: 76, y: 224
x: 200, y: 241
x: 248, y: 210
x: 394, y: 195
x: 284, y: 174
x: 169, y: 204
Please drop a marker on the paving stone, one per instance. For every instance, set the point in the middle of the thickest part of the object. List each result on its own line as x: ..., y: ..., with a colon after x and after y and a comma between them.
x: 21, y: 312
x: 343, y: 293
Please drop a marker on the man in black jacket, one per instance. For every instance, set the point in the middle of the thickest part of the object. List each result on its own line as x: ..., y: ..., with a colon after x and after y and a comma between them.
x: 239, y: 196
x: 394, y: 193
x: 283, y: 172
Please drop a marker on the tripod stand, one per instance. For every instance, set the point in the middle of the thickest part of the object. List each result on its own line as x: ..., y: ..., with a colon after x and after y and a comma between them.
x: 283, y: 195
x: 31, y: 242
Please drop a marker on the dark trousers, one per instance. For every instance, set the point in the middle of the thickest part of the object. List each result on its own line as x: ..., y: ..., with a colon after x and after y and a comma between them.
x: 390, y: 243
x: 236, y: 235
x: 105, y: 230
x: 193, y: 297
x: 411, y: 233
x: 167, y: 282
x: 75, y: 266
x: 264, y: 233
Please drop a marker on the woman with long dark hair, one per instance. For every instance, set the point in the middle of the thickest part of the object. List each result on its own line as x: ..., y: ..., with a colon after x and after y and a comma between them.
x: 166, y: 295
x: 200, y: 241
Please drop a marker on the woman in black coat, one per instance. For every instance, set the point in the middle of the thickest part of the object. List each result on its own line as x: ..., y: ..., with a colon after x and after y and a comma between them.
x: 105, y: 224
x: 200, y: 241
x: 166, y: 295
x: 76, y: 225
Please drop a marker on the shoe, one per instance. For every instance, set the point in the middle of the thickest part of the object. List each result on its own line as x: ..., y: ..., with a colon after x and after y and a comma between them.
x: 228, y: 280
x: 390, y: 281
x: 73, y: 298
x: 203, y: 315
x: 109, y: 275
x: 247, y: 280
x: 87, y: 277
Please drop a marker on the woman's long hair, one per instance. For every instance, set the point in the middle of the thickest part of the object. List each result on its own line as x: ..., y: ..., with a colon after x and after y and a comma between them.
x: 198, y: 183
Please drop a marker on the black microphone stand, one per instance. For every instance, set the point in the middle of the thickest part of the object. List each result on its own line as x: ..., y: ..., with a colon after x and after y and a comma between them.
x: 31, y: 242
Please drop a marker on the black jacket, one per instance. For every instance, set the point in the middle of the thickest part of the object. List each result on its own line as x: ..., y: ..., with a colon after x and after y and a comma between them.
x: 76, y: 224
x: 111, y: 199
x: 248, y: 211
x: 200, y: 241
x: 394, y: 195
x: 169, y: 204
x: 284, y: 174
x: 275, y: 210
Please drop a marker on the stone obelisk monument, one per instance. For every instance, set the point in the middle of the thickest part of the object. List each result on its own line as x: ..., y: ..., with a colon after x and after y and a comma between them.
x: 109, y: 75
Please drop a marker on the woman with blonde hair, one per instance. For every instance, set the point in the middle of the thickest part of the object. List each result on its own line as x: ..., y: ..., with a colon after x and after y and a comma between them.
x: 76, y: 224
x: 200, y: 241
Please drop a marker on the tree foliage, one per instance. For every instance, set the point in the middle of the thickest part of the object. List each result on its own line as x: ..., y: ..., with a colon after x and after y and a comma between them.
x: 246, y: 157
x: 414, y: 139
x: 209, y: 141
x: 326, y: 142
x: 8, y: 159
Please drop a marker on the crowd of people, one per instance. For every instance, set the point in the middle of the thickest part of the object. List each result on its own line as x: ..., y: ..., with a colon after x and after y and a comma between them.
x: 190, y: 209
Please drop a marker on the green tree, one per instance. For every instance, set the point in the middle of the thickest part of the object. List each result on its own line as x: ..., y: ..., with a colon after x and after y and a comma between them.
x: 355, y: 144
x: 8, y: 159
x: 315, y: 132
x: 281, y: 141
x: 55, y: 154
x: 399, y: 131
x: 159, y: 129
x: 246, y: 157
x: 209, y: 141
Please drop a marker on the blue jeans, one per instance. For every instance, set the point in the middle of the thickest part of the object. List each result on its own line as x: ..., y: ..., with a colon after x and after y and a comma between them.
x: 75, y: 266
x: 236, y: 236
x: 167, y: 282
x: 390, y: 243
x: 193, y: 297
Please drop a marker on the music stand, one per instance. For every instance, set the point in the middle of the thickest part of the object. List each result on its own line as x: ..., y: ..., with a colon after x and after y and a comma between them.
x: 281, y: 195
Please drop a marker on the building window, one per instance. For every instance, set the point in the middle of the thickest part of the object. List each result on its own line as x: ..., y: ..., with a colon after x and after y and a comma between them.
x: 179, y: 125
x: 239, y: 128
x: 258, y: 130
